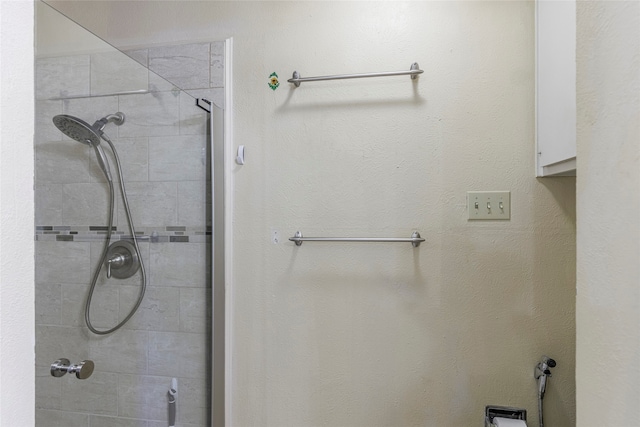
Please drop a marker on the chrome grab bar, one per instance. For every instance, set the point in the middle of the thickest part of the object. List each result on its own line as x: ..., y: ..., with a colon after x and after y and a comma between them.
x: 415, y: 239
x: 413, y: 72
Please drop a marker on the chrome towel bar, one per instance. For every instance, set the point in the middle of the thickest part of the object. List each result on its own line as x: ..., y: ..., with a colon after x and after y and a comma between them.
x: 413, y: 72
x: 415, y: 239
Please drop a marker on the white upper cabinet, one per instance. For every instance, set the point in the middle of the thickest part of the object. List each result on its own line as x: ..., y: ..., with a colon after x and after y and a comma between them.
x: 555, y: 88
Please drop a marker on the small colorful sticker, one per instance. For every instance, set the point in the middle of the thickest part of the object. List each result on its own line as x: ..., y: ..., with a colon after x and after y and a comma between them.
x: 273, y: 81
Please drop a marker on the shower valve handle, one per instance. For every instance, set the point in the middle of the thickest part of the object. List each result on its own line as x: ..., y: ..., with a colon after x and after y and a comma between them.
x: 83, y: 370
x: 122, y: 260
x: 117, y: 261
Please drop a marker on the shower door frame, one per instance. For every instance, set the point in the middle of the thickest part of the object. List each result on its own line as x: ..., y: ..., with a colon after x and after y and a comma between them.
x: 221, y: 125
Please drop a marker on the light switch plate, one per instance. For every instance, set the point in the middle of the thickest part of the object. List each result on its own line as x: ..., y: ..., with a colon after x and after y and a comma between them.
x: 489, y: 205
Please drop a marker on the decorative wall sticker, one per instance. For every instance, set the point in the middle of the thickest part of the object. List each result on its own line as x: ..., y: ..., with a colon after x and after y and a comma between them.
x: 273, y: 81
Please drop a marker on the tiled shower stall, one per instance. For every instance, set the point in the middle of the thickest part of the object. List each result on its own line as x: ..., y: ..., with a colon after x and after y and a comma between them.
x: 163, y: 147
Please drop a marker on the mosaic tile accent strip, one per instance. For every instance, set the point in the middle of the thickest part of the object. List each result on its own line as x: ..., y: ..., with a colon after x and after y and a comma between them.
x: 83, y: 233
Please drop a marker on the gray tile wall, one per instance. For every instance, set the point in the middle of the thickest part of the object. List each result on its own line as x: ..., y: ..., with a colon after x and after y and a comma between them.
x: 163, y: 153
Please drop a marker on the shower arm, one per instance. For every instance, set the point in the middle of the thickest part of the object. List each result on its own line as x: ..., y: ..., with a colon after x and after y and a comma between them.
x: 117, y: 119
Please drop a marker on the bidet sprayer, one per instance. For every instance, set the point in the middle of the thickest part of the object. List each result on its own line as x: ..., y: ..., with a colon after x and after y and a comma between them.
x: 542, y: 371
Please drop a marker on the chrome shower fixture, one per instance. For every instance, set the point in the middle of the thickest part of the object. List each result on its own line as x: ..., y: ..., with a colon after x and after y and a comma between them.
x: 83, y: 370
x: 81, y: 131
x: 116, y: 118
x: 122, y: 259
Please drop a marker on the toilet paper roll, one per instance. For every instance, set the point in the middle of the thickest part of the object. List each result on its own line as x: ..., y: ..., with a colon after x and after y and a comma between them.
x: 508, y: 422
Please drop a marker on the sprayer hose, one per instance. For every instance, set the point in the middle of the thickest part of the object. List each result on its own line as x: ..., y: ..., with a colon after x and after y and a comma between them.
x: 143, y: 286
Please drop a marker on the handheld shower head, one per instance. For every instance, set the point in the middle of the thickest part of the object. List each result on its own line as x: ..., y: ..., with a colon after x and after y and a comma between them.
x: 81, y: 131
x: 77, y: 129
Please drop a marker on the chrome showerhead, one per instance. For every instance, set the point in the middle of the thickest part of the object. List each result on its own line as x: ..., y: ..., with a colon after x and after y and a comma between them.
x: 77, y: 129
x: 85, y: 133
x: 82, y: 131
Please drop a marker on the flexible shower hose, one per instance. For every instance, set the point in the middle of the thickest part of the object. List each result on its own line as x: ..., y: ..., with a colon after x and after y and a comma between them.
x: 107, y: 241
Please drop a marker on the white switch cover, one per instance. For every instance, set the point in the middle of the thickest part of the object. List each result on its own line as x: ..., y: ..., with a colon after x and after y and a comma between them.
x: 489, y: 204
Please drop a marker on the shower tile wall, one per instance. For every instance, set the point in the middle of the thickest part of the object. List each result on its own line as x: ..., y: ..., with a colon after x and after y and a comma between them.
x: 162, y: 147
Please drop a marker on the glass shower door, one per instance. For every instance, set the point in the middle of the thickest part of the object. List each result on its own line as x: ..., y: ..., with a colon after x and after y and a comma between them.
x: 164, y: 149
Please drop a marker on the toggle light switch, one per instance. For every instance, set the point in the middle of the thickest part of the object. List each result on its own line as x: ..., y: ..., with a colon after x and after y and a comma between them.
x: 489, y: 204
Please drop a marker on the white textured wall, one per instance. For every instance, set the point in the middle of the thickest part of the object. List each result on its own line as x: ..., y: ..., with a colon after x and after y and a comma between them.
x: 608, y: 256
x: 366, y: 334
x: 17, y: 379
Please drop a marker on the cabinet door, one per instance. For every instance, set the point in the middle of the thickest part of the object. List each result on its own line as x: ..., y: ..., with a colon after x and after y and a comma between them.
x: 555, y: 87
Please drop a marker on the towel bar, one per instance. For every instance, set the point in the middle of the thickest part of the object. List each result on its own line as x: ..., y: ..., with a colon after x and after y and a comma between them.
x: 415, y: 239
x: 413, y: 72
